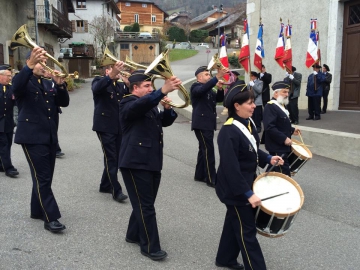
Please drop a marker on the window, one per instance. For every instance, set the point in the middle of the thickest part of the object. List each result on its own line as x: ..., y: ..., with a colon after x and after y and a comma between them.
x: 144, y: 5
x: 60, y: 6
x: 124, y: 47
x: 127, y: 4
x: 81, y: 4
x: 153, y: 18
x: 112, y: 13
x: 136, y: 18
x: 80, y: 26
x: 354, y: 17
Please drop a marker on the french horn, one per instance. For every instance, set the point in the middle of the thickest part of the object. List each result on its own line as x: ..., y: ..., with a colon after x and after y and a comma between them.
x: 22, y: 38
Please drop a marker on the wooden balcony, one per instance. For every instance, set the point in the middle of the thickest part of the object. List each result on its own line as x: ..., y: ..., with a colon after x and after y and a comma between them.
x: 56, y: 22
x: 136, y: 36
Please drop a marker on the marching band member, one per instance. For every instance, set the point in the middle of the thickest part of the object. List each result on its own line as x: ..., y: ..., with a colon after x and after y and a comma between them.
x: 277, y: 125
x: 107, y: 94
x: 141, y: 157
x: 204, y: 100
x: 38, y: 101
x: 240, y: 155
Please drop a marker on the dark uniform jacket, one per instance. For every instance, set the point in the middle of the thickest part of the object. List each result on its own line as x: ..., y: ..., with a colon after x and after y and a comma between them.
x: 327, y: 81
x: 38, y: 108
x: 203, y: 100
x: 107, y: 97
x: 7, y: 102
x: 141, y: 123
x: 313, y: 90
x: 266, y: 88
x: 277, y: 127
x: 238, y: 163
x: 295, y: 85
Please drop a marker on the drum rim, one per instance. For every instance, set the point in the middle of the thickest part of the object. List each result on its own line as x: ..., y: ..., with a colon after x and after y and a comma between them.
x: 303, y: 146
x: 292, y: 181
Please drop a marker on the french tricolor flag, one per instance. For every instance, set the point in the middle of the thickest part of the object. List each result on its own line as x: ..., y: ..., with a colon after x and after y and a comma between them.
x: 244, y: 56
x: 312, y: 52
x: 287, y: 59
x: 223, y: 55
x: 259, y: 49
x: 279, y: 53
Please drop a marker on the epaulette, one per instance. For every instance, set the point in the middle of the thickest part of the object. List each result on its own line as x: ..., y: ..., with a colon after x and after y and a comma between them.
x: 98, y: 76
x: 271, y: 102
x: 127, y: 95
x: 229, y: 122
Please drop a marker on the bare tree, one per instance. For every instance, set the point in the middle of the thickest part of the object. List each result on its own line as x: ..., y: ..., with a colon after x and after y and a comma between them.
x: 102, y: 30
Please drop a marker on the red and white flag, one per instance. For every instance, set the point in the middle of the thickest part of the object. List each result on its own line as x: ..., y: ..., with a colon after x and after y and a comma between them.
x: 287, y: 59
x: 279, y: 53
x: 244, y: 57
x: 312, y: 54
x: 224, y: 60
x: 259, y: 49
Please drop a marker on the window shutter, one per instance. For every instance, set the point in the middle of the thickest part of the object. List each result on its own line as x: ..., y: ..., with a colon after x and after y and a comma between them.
x: 73, y: 26
x: 86, y: 26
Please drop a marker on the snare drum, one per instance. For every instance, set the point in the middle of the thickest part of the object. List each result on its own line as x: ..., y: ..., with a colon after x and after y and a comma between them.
x: 299, y: 155
x: 275, y: 216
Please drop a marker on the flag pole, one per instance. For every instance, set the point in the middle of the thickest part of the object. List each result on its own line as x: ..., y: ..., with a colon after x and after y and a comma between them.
x: 249, y: 54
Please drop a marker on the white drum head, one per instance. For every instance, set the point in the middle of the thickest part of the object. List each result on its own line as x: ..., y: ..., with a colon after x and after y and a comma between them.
x: 301, y: 150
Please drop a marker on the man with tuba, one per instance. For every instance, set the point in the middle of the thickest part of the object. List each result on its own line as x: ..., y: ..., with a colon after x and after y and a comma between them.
x: 141, y: 156
x: 38, y: 101
x: 204, y: 101
x: 107, y: 94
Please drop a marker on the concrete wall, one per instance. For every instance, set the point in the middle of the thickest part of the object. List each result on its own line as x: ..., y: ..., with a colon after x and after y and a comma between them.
x: 330, y: 18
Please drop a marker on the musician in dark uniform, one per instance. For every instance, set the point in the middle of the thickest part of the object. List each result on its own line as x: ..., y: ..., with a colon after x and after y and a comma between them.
x: 141, y: 157
x: 204, y: 100
x: 314, y: 91
x: 278, y: 129
x: 38, y: 101
x: 107, y: 94
x: 7, y: 101
x: 240, y: 155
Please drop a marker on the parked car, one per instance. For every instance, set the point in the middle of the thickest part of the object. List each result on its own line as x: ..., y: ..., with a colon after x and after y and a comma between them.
x: 185, y: 45
x: 203, y: 45
x: 145, y: 35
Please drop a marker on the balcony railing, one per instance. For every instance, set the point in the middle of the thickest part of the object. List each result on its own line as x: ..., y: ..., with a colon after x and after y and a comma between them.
x: 112, y: 22
x: 136, y: 36
x: 57, y: 22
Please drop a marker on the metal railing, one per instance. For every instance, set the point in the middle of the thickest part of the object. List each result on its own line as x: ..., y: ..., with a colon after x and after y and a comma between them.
x: 136, y: 36
x: 50, y: 15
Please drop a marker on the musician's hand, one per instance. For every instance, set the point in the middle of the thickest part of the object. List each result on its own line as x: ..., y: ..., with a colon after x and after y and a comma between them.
x: 221, y: 73
x: 166, y: 106
x: 220, y: 84
x: 170, y: 85
x: 57, y: 79
x: 261, y: 75
x: 288, y: 142
x: 37, y: 55
x: 275, y: 159
x: 315, y: 72
x: 255, y: 201
x: 291, y: 77
x: 125, y: 80
x: 119, y: 65
x: 297, y: 131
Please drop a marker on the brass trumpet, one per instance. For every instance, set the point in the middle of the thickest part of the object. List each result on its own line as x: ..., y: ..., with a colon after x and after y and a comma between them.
x: 215, y: 63
x: 22, y: 38
x: 161, y: 68
x: 110, y: 59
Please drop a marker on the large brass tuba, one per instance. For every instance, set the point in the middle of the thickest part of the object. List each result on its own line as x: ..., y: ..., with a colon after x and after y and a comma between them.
x: 22, y: 38
x: 161, y: 66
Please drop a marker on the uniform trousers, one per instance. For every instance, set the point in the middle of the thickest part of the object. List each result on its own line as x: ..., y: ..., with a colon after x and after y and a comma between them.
x: 239, y: 234
x: 41, y: 160
x: 205, y: 166
x: 142, y: 187
x: 110, y: 144
x: 314, y: 106
x: 5, y: 150
x: 325, y: 95
x: 258, y: 116
x: 293, y: 109
x: 285, y: 169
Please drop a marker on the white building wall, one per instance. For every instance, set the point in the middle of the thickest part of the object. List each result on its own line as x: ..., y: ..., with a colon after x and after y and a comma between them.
x: 330, y: 18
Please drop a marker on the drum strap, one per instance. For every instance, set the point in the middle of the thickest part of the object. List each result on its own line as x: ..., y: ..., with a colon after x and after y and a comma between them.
x: 247, y: 133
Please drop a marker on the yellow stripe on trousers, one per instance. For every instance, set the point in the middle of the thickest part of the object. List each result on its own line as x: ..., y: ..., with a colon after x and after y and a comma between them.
x: 242, y: 237
x: 107, y: 166
x: 206, y: 154
x: 142, y: 216
x: 37, y: 182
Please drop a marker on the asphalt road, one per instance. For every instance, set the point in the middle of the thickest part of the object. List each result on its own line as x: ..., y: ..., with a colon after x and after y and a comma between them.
x: 325, y: 235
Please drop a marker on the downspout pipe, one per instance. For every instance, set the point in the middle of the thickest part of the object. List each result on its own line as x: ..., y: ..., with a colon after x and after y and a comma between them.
x: 36, y: 24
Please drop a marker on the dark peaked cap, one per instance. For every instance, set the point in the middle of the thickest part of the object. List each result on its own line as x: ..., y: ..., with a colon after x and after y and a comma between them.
x: 235, y: 88
x: 5, y: 67
x: 139, y: 78
x: 201, y: 69
x: 280, y: 85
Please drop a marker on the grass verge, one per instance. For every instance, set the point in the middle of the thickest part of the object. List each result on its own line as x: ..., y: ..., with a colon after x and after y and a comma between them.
x: 179, y: 54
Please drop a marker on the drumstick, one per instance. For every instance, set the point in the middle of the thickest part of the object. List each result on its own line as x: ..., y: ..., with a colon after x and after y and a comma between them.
x: 271, y: 197
x: 273, y: 166
x: 301, y: 138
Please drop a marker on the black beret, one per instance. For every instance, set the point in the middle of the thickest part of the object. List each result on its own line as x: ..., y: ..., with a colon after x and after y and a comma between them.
x: 327, y: 67
x: 234, y: 88
x: 316, y: 66
x: 253, y: 73
x: 201, y: 69
x: 5, y: 67
x: 280, y: 85
x: 293, y: 68
x: 139, y: 78
x: 138, y: 71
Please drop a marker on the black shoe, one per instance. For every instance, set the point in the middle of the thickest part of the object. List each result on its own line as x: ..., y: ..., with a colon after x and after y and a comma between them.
x: 1, y: 169
x: 54, y: 226
x: 105, y: 190
x: 296, y: 123
x: 120, y: 197
x: 199, y: 180
x: 132, y: 241
x: 317, y: 118
x: 323, y: 112
x: 234, y: 266
x: 59, y: 154
x: 210, y: 185
x: 310, y: 118
x: 156, y: 256
x: 37, y: 216
x: 12, y: 173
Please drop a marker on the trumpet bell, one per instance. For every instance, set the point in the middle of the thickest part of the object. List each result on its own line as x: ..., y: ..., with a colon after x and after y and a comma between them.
x: 161, y: 67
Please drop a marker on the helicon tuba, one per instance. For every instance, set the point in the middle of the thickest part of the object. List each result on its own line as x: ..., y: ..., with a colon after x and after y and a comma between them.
x: 161, y: 67
x: 22, y: 38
